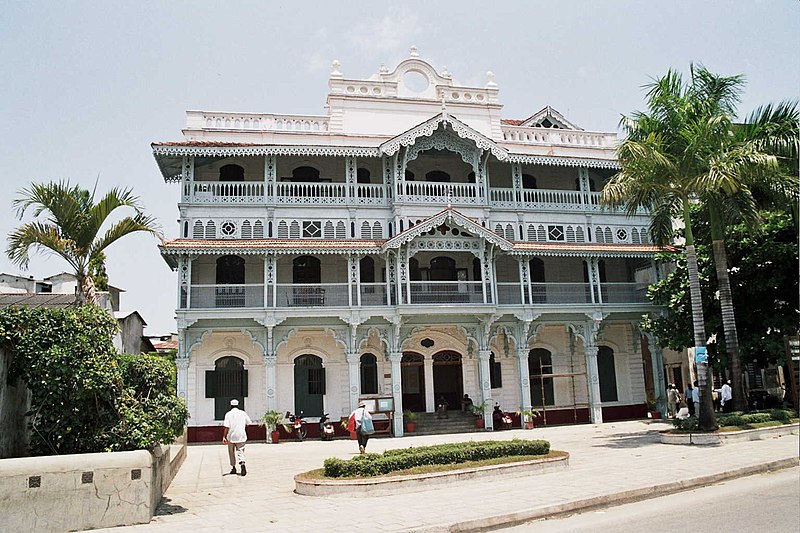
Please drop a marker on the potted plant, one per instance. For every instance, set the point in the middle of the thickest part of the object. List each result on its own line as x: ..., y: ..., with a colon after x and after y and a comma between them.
x: 411, y: 418
x: 270, y: 420
x: 477, y: 410
x: 652, y: 408
x: 528, y: 417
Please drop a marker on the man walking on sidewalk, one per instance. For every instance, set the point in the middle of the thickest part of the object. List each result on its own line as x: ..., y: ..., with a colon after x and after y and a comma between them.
x: 234, y: 434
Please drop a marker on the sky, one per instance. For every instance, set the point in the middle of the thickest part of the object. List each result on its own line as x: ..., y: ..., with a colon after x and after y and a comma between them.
x: 89, y: 85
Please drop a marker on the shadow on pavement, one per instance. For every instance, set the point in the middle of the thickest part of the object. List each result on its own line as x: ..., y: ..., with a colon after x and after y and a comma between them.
x: 627, y: 440
x: 167, y: 508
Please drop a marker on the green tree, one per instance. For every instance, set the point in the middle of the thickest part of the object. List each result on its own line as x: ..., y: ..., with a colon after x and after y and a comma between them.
x: 68, y: 223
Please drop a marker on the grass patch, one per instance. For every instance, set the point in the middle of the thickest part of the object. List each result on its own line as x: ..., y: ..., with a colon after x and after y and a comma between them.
x: 319, y: 473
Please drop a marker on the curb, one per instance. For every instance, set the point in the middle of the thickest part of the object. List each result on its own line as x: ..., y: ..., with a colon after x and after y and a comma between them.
x: 619, y: 498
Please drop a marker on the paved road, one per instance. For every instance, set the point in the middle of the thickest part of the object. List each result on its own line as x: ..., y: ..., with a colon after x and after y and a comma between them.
x: 766, y: 502
x: 605, y: 459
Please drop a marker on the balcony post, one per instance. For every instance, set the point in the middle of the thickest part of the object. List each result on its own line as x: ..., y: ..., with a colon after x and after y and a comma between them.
x: 391, y: 278
x: 516, y: 177
x: 594, y: 280
x: 353, y: 359
x: 270, y: 277
x: 583, y: 183
x: 270, y: 366
x: 350, y: 178
x: 270, y: 172
x: 182, y: 363
x: 592, y: 375
x: 524, y: 377
x: 397, y: 392
x: 430, y: 399
x: 185, y: 282
x: 187, y: 178
x: 525, y: 282
x: 352, y: 280
x: 486, y: 387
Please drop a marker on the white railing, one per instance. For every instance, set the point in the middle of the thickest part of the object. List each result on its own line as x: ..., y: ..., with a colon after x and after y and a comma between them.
x: 373, y: 294
x: 371, y: 194
x: 225, y: 192
x: 436, y: 192
x: 529, y: 135
x: 509, y: 293
x: 255, y: 122
x: 624, y: 293
x: 226, y: 296
x: 446, y: 292
x: 311, y: 193
x: 312, y: 295
x: 553, y: 197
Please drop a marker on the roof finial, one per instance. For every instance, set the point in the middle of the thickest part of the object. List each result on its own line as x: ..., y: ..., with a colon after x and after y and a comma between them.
x: 384, y: 69
x: 444, y: 73
x: 490, y: 79
x: 335, y: 72
x: 444, y: 104
x: 413, y: 51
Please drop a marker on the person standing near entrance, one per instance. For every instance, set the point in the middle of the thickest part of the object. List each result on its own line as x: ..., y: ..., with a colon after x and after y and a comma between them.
x: 688, y: 395
x: 234, y: 434
x: 362, y: 420
x: 696, y: 397
x: 673, y: 397
x: 725, y: 397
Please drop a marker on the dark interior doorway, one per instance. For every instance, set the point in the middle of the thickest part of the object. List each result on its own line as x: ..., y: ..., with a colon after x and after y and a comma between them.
x: 413, y: 376
x: 447, y: 378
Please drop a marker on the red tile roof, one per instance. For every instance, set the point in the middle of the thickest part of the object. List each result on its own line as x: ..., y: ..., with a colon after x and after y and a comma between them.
x: 511, y: 121
x: 270, y: 243
x: 205, y: 143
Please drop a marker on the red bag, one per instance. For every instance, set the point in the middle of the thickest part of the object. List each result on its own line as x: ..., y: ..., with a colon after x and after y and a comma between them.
x: 351, y: 423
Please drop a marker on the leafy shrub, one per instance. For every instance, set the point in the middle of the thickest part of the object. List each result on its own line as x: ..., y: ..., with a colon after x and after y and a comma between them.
x: 784, y: 415
x: 373, y: 464
x: 686, y: 424
x: 84, y: 397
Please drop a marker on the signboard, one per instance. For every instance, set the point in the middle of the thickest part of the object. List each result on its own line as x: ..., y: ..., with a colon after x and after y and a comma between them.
x: 700, y: 355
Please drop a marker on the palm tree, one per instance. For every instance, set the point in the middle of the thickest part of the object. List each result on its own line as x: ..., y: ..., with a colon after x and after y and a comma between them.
x: 744, y: 166
x: 68, y: 223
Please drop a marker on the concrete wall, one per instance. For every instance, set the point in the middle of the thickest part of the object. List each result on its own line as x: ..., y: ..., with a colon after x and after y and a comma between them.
x: 14, y: 403
x: 85, y: 491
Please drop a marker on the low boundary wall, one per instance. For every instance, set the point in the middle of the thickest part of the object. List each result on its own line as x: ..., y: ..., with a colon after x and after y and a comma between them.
x: 85, y: 491
x: 723, y: 437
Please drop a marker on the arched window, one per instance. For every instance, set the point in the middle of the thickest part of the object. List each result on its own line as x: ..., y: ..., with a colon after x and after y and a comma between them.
x: 362, y: 175
x: 369, y: 374
x: 443, y: 269
x: 367, y: 270
x: 231, y: 173
x: 305, y: 174
x: 495, y: 374
x: 476, y: 269
x: 409, y: 176
x: 528, y: 181
x: 306, y: 269
x: 228, y: 381
x: 536, y: 266
x: 437, y: 176
x: 540, y: 365
x: 185, y: 230
x: 230, y: 270
x: 607, y: 374
x: 414, y: 273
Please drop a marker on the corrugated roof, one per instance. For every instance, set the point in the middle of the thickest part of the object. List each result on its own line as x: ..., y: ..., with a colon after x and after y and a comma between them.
x: 37, y: 300
x: 511, y: 121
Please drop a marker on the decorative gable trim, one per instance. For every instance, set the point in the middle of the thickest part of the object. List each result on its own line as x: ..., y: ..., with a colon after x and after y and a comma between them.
x: 554, y: 116
x: 427, y: 128
x: 450, y: 216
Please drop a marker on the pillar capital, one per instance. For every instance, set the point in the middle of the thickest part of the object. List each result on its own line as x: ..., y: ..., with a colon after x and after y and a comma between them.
x: 395, y: 356
x: 353, y: 357
x: 484, y: 354
x: 522, y: 353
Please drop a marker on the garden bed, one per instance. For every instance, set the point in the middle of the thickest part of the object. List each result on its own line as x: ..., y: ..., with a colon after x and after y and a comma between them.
x: 728, y: 434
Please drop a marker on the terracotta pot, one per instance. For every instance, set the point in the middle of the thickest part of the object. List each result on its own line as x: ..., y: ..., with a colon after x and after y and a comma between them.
x: 479, y: 423
x: 275, y: 436
x: 655, y: 415
x: 410, y: 427
x: 529, y: 424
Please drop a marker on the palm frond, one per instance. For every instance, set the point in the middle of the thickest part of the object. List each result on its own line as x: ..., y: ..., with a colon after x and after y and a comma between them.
x: 138, y: 223
x: 39, y: 235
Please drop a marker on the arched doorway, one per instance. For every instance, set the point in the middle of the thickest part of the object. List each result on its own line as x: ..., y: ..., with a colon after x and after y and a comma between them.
x: 309, y: 385
x: 447, y: 378
x: 540, y: 365
x: 607, y: 374
x: 412, y: 370
x: 228, y: 381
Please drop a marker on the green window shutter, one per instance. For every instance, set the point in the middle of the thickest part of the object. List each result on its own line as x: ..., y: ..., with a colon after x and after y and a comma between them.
x: 244, y: 382
x: 322, y: 380
x: 211, y: 383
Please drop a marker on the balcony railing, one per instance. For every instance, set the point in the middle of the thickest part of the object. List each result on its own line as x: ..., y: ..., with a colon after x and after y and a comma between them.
x: 436, y: 192
x: 226, y: 296
x: 295, y: 295
x: 225, y: 192
x: 446, y: 292
x: 311, y: 193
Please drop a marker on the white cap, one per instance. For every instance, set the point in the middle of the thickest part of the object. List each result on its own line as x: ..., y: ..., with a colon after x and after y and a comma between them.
x: 234, y: 402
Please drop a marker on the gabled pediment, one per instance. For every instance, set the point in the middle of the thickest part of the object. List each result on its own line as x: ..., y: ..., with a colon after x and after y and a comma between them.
x: 452, y: 218
x: 548, y: 118
x: 442, y: 120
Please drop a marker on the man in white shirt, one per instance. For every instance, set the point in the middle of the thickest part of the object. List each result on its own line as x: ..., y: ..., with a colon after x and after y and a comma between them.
x: 726, y: 397
x: 235, y: 436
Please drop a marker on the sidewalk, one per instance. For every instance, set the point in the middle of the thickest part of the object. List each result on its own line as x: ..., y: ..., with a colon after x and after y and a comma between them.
x: 615, y: 460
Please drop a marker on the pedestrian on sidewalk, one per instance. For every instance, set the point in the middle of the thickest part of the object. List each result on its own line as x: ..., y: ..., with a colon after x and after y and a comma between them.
x: 362, y: 421
x: 234, y: 434
x: 725, y: 397
x: 688, y: 395
x: 696, y: 397
x: 673, y: 397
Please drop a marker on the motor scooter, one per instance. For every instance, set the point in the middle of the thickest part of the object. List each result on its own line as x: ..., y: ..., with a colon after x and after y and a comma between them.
x: 325, y: 428
x: 299, y: 425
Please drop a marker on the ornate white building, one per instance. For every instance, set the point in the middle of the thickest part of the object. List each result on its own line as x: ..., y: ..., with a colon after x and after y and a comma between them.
x: 408, y: 244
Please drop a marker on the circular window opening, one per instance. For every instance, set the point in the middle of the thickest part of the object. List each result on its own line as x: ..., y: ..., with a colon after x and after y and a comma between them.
x: 427, y: 343
x: 415, y: 81
x: 228, y: 229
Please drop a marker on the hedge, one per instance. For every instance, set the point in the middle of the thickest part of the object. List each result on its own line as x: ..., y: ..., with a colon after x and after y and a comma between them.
x: 373, y: 464
x: 738, y: 419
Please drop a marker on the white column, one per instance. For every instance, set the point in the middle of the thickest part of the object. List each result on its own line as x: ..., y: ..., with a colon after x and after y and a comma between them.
x: 352, y: 269
x: 270, y: 366
x: 182, y: 362
x: 524, y: 280
x: 397, y: 392
x: 430, y: 399
x: 657, y: 362
x: 486, y: 386
x: 593, y: 381
x: 353, y: 360
x: 524, y: 378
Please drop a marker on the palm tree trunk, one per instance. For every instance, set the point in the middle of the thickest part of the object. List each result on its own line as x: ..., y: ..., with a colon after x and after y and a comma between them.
x: 86, y: 291
x: 705, y: 415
